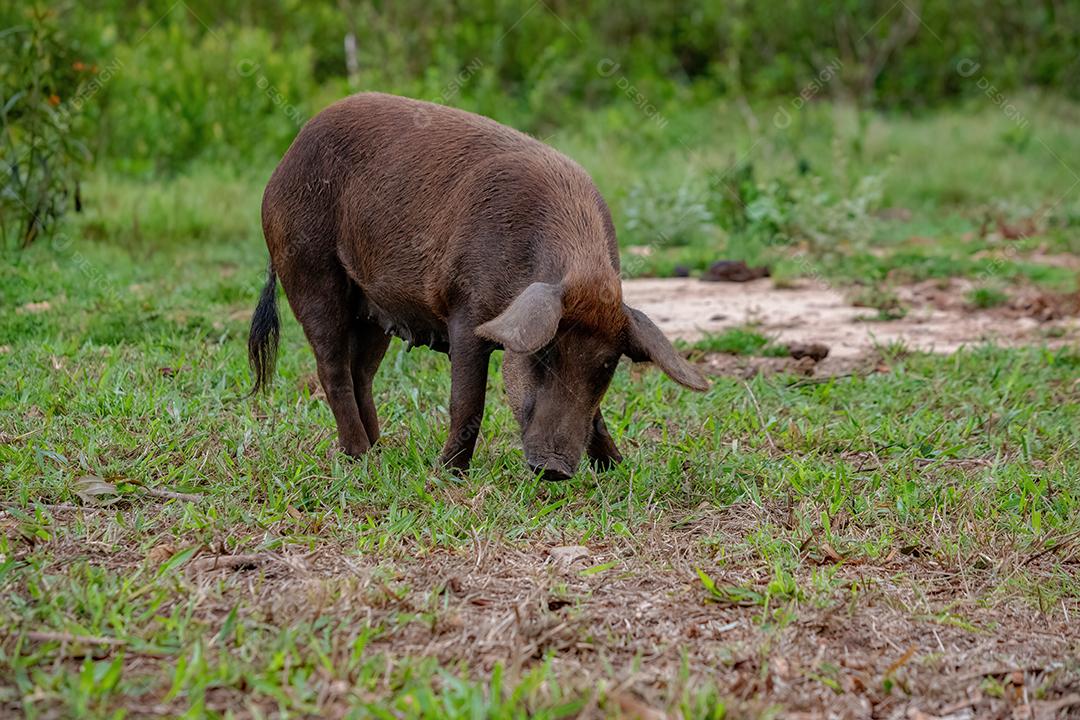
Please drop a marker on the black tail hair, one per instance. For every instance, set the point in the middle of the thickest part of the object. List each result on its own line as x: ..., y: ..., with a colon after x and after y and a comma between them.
x: 263, y: 339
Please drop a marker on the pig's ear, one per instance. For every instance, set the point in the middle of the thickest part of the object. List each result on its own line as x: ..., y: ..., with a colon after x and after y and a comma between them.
x: 646, y: 343
x: 530, y: 322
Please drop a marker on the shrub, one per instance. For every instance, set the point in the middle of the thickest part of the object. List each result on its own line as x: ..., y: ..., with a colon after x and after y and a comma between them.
x: 42, y: 89
x: 664, y: 217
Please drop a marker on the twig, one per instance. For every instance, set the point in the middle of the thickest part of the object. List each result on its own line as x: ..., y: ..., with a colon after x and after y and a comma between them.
x: 1053, y: 548
x: 171, y: 495
x: 807, y: 382
x: 229, y: 562
x: 63, y: 507
x: 999, y: 670
x: 45, y: 636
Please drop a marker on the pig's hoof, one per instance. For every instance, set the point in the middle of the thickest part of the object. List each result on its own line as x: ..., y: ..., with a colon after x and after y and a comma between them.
x: 355, y: 451
x: 455, y: 465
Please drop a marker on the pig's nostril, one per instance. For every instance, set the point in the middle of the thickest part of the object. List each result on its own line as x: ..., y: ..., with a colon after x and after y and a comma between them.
x: 550, y: 473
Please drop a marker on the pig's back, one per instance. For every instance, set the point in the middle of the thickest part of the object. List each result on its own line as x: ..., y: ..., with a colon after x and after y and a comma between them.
x: 414, y: 194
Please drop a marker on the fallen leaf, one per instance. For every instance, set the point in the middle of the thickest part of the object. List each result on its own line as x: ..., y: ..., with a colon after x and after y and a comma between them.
x: 566, y: 555
x: 93, y: 490
x: 635, y: 709
x: 160, y: 553
x: 830, y: 553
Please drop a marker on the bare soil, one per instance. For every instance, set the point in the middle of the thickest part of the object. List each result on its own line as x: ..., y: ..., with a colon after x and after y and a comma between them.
x: 938, y: 317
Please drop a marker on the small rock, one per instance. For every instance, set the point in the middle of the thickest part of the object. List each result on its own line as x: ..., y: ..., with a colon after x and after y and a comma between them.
x: 815, y: 351
x: 733, y: 271
x: 680, y: 271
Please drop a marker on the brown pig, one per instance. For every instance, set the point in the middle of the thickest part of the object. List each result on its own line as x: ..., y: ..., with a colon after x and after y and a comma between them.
x: 390, y: 216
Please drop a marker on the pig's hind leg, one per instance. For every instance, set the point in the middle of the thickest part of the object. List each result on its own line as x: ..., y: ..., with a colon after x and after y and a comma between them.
x: 367, y: 347
x: 323, y: 300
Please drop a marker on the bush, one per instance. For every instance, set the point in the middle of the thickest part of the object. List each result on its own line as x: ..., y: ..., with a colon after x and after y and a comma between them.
x: 655, y: 216
x: 42, y: 90
x: 183, y: 96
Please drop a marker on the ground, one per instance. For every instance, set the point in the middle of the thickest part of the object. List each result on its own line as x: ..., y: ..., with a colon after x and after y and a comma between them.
x: 890, y: 531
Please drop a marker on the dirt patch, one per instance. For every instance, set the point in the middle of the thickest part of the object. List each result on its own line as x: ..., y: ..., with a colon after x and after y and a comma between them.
x: 813, y: 312
x: 891, y: 636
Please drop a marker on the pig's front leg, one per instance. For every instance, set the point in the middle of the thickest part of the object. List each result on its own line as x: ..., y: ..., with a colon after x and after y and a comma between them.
x: 468, y: 383
x: 602, y: 451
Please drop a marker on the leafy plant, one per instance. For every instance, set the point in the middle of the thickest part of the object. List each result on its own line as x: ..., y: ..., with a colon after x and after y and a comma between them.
x: 41, y: 151
x: 664, y: 217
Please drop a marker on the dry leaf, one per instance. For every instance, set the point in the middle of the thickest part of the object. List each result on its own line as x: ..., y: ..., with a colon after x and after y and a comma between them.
x: 160, y: 553
x: 566, y: 555
x: 636, y: 709
x: 93, y: 490
x: 831, y: 554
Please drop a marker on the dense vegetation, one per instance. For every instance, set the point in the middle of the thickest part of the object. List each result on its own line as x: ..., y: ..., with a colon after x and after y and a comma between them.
x: 232, y: 80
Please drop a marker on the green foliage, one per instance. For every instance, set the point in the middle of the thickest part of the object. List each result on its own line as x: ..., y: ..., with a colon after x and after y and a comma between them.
x: 986, y: 297
x: 655, y: 216
x: 226, y: 96
x: 206, y: 80
x: 740, y: 341
x: 43, y: 86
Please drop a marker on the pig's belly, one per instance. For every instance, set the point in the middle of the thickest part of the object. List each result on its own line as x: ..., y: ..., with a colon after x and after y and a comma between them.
x: 410, y: 321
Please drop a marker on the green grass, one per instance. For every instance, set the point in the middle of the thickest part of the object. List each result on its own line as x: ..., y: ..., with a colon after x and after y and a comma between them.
x: 135, y: 374
x: 986, y: 297
x: 740, y: 341
x: 941, y: 494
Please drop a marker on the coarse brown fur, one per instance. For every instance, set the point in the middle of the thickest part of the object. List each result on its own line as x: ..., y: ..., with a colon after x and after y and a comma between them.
x: 390, y: 216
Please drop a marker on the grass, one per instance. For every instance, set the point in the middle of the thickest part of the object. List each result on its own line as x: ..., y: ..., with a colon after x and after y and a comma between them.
x: 138, y: 377
x: 986, y: 297
x: 740, y: 341
x: 233, y: 563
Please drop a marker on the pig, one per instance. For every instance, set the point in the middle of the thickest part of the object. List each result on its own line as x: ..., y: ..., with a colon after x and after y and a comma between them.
x: 390, y: 216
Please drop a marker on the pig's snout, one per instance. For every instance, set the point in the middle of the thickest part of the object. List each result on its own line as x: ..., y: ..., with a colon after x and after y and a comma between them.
x: 552, y: 470
x: 555, y: 457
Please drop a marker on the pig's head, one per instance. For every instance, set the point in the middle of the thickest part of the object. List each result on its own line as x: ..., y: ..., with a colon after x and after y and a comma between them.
x: 558, y: 361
